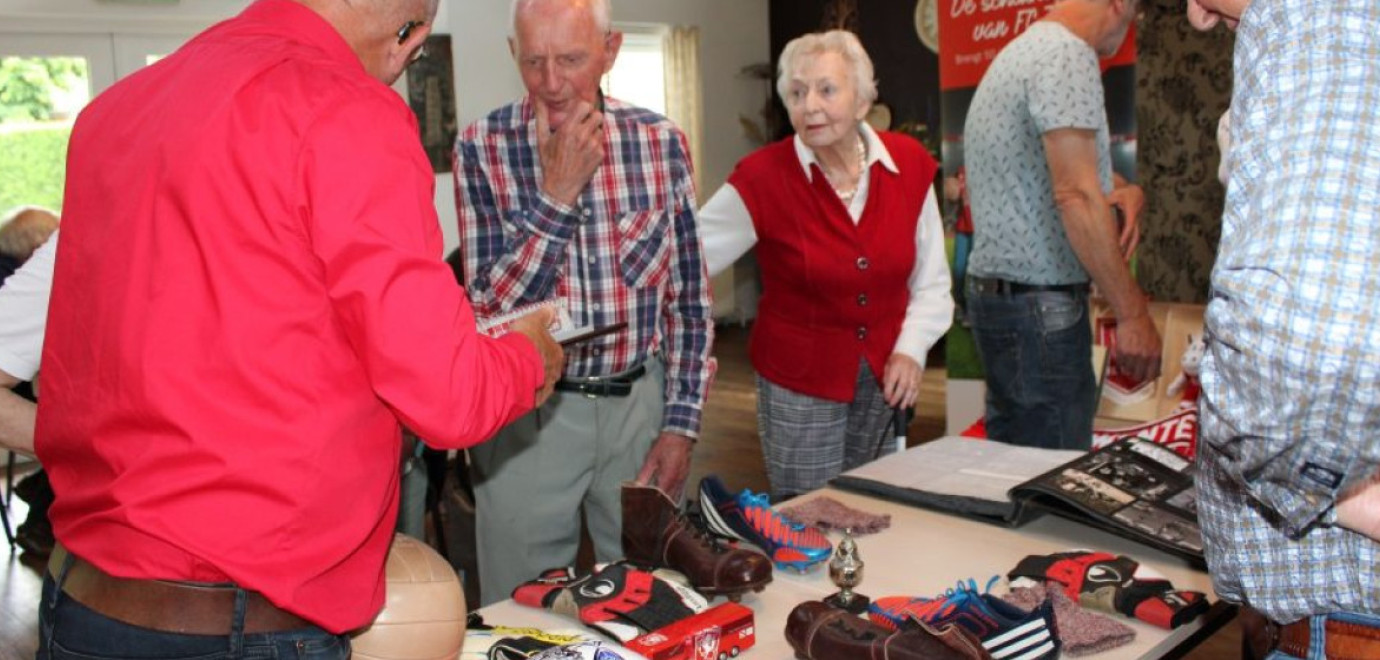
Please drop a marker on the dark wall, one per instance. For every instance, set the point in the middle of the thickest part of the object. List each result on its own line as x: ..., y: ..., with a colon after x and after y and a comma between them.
x: 1183, y: 85
x: 907, y: 72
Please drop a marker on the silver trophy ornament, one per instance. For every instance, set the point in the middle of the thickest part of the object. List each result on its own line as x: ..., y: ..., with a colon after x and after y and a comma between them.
x: 846, y: 571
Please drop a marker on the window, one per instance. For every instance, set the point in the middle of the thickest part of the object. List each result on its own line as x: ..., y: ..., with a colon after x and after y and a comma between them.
x: 40, y: 97
x: 45, y: 80
x: 639, y: 74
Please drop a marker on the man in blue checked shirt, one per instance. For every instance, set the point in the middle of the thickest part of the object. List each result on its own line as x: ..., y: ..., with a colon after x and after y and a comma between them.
x: 566, y: 194
x: 1289, y: 500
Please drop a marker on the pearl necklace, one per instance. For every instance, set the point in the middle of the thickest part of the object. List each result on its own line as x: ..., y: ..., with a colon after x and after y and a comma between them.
x: 847, y: 196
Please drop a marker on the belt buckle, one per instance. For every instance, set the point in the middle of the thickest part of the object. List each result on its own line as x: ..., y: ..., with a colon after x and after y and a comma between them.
x: 994, y: 286
x: 593, y: 388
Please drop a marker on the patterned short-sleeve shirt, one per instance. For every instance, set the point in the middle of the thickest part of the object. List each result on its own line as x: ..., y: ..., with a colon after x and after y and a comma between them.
x: 1045, y: 79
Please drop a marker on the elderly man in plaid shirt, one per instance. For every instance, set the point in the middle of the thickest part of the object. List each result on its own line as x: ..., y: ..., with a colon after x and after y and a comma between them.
x: 1289, y: 501
x: 566, y: 194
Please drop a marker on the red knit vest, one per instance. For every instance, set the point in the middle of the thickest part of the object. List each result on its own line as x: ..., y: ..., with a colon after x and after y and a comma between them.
x: 832, y: 292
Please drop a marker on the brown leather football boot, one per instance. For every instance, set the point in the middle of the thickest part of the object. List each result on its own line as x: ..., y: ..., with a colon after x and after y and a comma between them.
x: 656, y: 533
x: 820, y: 632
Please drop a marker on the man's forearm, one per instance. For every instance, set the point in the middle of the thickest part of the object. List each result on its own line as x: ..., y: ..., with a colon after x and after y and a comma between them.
x: 1088, y: 222
x: 1087, y: 217
x: 17, y: 417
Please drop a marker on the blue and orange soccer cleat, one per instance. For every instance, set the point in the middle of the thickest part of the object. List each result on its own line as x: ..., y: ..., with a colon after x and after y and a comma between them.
x: 1007, y: 632
x: 748, y: 517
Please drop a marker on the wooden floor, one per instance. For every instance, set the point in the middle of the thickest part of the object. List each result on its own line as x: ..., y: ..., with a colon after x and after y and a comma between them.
x: 728, y: 448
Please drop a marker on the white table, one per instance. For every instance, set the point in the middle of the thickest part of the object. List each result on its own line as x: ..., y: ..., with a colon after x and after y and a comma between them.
x: 925, y: 552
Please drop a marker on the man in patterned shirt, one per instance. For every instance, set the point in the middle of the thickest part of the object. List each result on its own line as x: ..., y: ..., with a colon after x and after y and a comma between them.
x: 566, y: 194
x: 1288, y: 496
x: 1040, y: 180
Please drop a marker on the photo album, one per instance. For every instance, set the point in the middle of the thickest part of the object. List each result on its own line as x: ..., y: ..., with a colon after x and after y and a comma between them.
x: 1131, y: 487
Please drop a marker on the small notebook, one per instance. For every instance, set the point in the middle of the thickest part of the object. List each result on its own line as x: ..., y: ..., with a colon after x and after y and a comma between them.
x: 563, y: 329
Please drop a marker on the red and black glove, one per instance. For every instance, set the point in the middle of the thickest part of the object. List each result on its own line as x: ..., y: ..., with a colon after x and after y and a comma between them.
x: 617, y: 600
x: 1106, y: 582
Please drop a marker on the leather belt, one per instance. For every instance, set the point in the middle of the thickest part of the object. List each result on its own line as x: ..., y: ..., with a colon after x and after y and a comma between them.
x: 177, y: 607
x: 998, y: 286
x: 1345, y: 641
x: 618, y: 385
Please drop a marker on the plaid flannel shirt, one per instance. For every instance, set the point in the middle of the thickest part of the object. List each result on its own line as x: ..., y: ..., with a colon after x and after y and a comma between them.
x: 629, y: 250
x: 1291, y: 379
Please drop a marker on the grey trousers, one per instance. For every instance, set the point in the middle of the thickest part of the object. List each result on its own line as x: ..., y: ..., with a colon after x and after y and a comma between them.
x: 806, y: 440
x: 533, y: 479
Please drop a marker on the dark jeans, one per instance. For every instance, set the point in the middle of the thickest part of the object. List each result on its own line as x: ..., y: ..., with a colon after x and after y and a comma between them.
x: 1036, y: 349
x: 69, y: 630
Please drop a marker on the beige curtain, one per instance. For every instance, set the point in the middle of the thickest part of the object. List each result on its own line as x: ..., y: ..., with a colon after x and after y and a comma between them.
x: 684, y: 104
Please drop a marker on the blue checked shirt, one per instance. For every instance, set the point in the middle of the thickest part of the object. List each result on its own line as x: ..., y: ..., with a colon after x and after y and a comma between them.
x: 628, y: 251
x: 1291, y: 380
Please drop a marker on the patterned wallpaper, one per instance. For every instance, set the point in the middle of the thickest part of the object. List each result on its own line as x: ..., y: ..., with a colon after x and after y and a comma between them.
x: 1183, y: 84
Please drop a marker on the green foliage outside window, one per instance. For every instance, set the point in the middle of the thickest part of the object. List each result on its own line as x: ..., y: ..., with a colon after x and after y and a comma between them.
x: 29, y: 86
x: 38, y: 98
x: 33, y: 165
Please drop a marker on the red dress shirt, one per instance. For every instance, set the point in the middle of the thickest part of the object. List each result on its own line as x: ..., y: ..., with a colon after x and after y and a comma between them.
x: 249, y: 296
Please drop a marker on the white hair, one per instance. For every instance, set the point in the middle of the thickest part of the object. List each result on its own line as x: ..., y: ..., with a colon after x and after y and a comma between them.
x: 599, y: 8
x: 844, y: 43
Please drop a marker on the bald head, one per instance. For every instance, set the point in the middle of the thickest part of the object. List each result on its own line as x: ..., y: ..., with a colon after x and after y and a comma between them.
x: 23, y: 229
x: 384, y: 34
x: 1102, y: 23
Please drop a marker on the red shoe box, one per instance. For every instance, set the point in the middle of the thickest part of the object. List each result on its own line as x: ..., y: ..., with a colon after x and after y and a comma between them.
x: 722, y: 631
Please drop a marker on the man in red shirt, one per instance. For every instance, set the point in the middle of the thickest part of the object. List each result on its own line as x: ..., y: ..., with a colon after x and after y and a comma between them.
x: 248, y: 299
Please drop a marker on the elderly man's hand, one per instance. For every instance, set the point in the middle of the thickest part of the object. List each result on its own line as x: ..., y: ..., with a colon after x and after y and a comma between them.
x: 572, y: 153
x: 668, y: 464
x: 536, y: 327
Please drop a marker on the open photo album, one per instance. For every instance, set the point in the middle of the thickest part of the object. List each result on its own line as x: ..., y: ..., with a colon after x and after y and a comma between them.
x: 1132, y: 487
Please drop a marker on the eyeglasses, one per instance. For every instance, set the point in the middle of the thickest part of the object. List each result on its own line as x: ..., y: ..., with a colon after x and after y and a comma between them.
x: 406, y: 31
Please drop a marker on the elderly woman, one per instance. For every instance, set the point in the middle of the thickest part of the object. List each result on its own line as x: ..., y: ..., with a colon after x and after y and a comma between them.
x: 855, y: 285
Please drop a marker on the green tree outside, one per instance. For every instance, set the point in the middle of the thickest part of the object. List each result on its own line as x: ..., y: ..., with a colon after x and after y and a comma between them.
x: 30, y: 86
x: 38, y: 97
x: 33, y: 165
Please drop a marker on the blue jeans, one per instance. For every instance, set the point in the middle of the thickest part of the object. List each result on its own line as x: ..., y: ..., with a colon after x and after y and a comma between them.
x: 1317, y: 637
x: 69, y: 630
x: 1036, y: 349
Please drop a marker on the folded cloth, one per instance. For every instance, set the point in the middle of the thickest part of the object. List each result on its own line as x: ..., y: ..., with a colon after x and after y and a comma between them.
x: 829, y: 513
x: 1113, y: 583
x: 1082, y: 632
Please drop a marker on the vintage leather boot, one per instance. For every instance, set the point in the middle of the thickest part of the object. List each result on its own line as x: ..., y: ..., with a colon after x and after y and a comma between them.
x: 655, y: 532
x: 820, y: 632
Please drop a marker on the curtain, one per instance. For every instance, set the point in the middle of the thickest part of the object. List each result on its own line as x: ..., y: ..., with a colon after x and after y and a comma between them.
x: 684, y: 105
